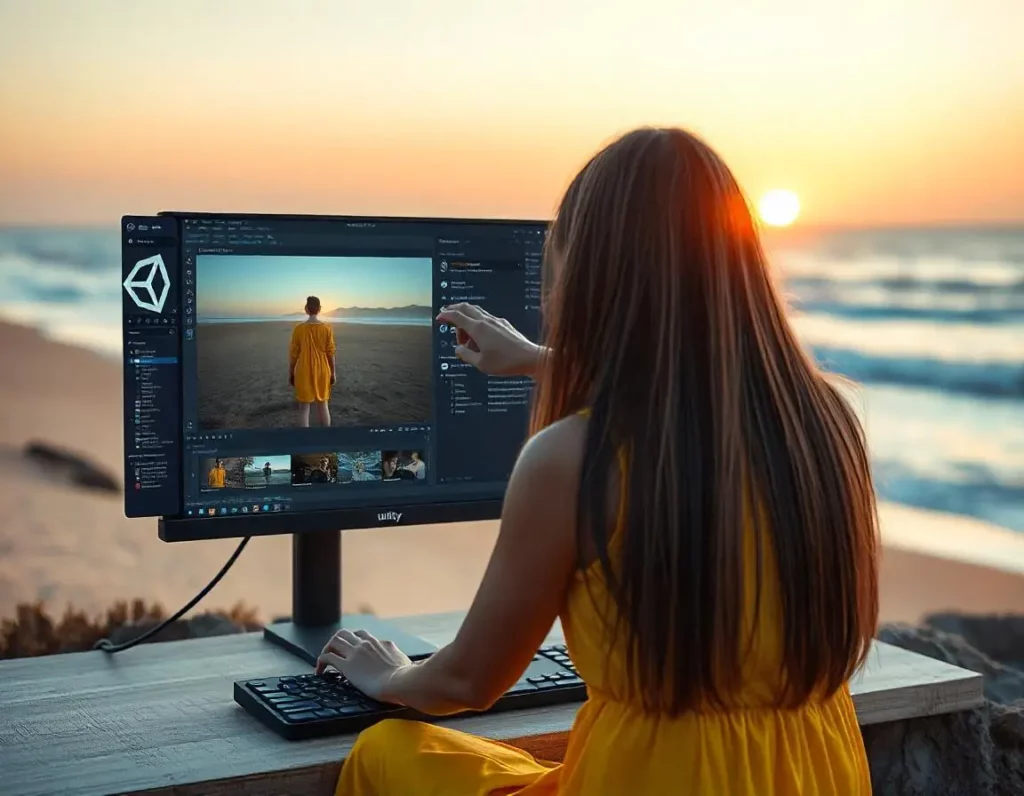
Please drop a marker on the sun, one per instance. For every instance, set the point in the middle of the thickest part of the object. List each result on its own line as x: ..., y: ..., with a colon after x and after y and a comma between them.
x: 779, y: 208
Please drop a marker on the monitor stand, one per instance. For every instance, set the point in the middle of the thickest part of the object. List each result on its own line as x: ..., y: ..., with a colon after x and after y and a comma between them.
x: 316, y: 604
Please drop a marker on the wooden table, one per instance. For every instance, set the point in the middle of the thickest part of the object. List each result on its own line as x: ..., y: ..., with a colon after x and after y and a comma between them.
x: 160, y: 719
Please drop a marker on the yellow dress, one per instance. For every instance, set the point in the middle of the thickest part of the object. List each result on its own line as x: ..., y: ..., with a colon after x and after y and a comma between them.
x: 311, y: 348
x: 614, y: 749
x: 216, y: 478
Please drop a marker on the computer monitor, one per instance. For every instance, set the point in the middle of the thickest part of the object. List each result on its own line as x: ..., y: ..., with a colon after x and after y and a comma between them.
x: 216, y: 441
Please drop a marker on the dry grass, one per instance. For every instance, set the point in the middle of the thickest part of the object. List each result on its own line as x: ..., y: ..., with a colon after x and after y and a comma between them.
x: 34, y: 631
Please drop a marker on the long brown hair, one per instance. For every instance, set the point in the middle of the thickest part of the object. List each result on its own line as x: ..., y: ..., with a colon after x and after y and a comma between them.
x: 663, y: 319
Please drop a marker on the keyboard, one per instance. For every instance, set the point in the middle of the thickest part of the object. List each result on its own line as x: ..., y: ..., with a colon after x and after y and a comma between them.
x: 317, y: 705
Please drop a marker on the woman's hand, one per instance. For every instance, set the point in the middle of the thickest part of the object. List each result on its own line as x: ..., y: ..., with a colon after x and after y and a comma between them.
x: 368, y: 663
x: 334, y: 378
x: 490, y: 344
x: 291, y: 378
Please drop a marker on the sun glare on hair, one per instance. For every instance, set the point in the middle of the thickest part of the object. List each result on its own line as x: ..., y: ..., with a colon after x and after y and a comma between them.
x: 779, y: 208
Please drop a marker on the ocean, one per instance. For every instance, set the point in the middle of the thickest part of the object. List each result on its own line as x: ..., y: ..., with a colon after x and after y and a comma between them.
x: 928, y: 322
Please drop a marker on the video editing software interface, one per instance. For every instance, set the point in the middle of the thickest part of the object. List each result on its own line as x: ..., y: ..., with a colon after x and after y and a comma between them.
x: 214, y: 318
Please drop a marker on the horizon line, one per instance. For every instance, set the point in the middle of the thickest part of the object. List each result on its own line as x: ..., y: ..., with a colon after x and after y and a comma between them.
x: 824, y: 226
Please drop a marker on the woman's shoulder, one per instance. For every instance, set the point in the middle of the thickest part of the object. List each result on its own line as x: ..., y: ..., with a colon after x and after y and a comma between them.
x: 557, y: 450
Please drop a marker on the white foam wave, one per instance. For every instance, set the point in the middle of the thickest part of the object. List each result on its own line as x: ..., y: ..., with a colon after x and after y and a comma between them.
x: 952, y: 342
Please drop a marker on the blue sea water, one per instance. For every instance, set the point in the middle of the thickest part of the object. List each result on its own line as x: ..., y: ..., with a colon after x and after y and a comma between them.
x: 929, y: 322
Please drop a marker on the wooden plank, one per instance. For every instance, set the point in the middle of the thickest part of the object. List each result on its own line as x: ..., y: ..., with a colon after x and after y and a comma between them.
x: 160, y: 719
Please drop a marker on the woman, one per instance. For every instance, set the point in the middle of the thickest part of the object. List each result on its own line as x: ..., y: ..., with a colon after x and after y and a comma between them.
x: 215, y: 478
x: 312, y: 364
x: 716, y: 573
x: 321, y: 474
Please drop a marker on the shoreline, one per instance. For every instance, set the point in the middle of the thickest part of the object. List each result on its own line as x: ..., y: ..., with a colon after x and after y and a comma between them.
x: 68, y: 546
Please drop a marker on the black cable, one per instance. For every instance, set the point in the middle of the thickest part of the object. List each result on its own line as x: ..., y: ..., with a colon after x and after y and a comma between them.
x: 105, y: 643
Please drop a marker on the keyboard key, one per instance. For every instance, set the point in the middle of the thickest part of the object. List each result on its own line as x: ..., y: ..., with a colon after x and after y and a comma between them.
x: 326, y: 713
x: 291, y: 707
x: 523, y: 686
x: 298, y: 717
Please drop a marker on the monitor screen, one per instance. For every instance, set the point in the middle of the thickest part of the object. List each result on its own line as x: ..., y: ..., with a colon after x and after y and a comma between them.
x: 232, y: 423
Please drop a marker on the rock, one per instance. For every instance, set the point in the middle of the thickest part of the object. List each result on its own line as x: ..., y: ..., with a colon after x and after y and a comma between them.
x: 71, y: 467
x: 999, y: 637
x: 969, y: 753
x: 950, y: 754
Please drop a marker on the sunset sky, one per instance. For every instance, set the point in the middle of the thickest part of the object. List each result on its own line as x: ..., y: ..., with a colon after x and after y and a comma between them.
x: 238, y: 286
x: 872, y: 111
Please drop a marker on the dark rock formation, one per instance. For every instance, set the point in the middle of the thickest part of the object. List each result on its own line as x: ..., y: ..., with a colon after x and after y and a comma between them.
x: 73, y: 468
x: 970, y: 753
x: 1000, y: 637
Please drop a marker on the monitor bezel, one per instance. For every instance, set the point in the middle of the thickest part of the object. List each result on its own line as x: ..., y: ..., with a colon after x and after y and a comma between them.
x: 383, y: 515
x: 193, y: 529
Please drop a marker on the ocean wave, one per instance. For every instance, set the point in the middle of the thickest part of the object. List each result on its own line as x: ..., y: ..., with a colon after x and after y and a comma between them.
x: 983, y: 316
x: 980, y: 378
x: 84, y: 250
x: 940, y: 273
x: 977, y: 494
x: 952, y: 342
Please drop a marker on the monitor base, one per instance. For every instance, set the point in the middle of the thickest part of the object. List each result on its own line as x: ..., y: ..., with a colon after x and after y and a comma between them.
x: 307, y: 642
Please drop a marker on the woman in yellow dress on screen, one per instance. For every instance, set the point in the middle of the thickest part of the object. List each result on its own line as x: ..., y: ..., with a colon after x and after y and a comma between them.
x: 312, y: 366
x: 215, y: 478
x: 695, y: 504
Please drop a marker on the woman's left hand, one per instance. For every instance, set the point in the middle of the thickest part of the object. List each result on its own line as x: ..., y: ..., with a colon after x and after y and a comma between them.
x: 368, y: 663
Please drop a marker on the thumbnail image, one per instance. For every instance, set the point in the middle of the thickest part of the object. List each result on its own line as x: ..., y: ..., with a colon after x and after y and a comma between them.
x: 404, y: 465
x: 268, y: 328
x: 265, y: 471
x: 227, y: 472
x: 314, y: 468
x: 359, y: 466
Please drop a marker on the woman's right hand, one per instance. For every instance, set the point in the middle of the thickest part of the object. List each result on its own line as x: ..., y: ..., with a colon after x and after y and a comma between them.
x: 490, y: 344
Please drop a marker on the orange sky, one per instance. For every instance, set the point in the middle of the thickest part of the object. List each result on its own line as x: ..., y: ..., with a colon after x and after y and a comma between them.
x: 873, y: 112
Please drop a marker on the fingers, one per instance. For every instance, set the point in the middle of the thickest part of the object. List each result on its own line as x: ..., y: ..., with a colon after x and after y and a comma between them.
x: 329, y: 659
x: 369, y: 638
x: 458, y: 319
x: 468, y: 355
x: 473, y: 311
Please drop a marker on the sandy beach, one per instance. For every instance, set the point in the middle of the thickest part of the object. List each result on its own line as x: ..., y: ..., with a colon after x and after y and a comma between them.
x: 65, y: 545
x: 383, y: 375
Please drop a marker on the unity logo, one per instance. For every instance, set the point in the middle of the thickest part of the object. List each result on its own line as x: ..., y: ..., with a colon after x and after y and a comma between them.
x: 139, y: 284
x: 389, y: 516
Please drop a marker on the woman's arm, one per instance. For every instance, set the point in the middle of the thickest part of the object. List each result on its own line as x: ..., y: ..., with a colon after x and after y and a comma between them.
x: 293, y: 355
x: 523, y: 588
x: 332, y: 355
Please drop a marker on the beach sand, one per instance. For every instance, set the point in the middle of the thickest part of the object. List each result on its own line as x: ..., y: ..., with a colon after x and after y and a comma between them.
x: 383, y: 375
x: 65, y: 545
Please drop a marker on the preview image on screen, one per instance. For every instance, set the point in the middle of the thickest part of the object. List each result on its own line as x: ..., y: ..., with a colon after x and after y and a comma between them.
x: 266, y: 471
x: 314, y: 468
x: 359, y: 466
x: 225, y: 472
x: 404, y: 465
x: 250, y: 317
